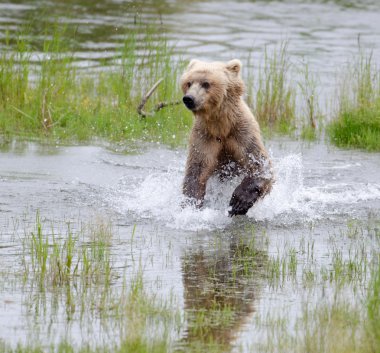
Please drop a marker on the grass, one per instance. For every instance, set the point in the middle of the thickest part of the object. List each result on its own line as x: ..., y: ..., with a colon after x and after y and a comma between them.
x: 71, y: 276
x: 75, y: 268
x: 373, y: 310
x: 337, y: 326
x: 54, y: 99
x: 282, y: 104
x: 357, y: 123
x: 346, y: 316
x: 47, y: 96
x: 56, y: 261
x: 271, y: 94
x: 311, y: 123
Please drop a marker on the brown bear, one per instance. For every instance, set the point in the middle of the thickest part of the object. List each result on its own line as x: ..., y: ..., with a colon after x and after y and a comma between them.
x: 225, y: 137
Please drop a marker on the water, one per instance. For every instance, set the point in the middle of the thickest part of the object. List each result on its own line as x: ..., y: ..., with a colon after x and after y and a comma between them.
x: 312, y: 183
x: 319, y: 189
x: 324, y: 34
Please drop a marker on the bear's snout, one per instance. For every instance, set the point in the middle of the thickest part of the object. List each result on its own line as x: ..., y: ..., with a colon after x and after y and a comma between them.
x: 189, y: 101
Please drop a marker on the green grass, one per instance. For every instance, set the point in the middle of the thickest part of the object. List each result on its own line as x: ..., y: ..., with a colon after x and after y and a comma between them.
x: 357, y: 124
x: 53, y: 99
x: 373, y: 310
x: 53, y: 261
x: 271, y: 94
x: 71, y: 276
x: 346, y: 316
x: 357, y: 128
x: 222, y: 282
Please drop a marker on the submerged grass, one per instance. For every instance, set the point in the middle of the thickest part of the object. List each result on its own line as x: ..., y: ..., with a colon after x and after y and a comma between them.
x: 357, y: 123
x: 70, y: 278
x: 338, y: 326
x: 53, y: 261
x: 373, y: 310
x: 223, y: 284
x: 346, y: 315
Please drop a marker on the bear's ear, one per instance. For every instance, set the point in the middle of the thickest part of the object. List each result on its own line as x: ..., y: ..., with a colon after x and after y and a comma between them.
x: 192, y: 63
x: 234, y: 66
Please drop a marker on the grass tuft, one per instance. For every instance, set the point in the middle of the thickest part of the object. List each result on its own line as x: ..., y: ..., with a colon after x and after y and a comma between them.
x: 373, y: 310
x: 274, y: 98
x: 357, y: 124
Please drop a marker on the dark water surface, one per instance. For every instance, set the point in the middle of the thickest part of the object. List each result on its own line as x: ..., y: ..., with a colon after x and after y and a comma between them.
x: 324, y: 33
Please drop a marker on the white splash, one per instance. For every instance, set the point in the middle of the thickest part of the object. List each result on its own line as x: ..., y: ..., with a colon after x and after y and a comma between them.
x: 159, y: 196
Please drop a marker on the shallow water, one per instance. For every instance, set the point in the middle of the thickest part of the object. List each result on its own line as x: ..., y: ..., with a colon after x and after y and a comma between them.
x: 318, y: 189
x: 313, y: 182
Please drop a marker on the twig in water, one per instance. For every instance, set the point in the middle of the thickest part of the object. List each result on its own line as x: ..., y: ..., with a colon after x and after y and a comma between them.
x: 161, y: 105
x: 158, y: 106
x: 146, y: 97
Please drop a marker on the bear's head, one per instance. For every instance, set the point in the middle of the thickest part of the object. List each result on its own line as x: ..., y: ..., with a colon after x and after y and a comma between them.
x: 206, y: 85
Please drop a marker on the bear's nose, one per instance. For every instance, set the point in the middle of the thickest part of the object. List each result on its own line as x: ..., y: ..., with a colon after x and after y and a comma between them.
x: 189, y: 102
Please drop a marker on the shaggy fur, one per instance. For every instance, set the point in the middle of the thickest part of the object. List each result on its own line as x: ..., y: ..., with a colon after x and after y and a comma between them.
x: 224, y: 131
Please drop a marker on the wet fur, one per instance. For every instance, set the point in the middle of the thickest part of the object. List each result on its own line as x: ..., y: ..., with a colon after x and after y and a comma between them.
x: 224, y: 131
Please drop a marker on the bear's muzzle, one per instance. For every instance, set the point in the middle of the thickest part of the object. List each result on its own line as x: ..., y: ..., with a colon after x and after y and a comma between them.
x: 189, y: 101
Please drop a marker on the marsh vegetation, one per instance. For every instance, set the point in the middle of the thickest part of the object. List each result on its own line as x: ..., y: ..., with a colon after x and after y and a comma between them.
x: 54, y: 99
x: 96, y: 254
x: 357, y: 121
x: 51, y: 98
x: 74, y: 278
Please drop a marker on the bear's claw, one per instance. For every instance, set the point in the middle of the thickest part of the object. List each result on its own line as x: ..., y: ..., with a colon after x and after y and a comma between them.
x: 242, y: 200
x: 239, y: 208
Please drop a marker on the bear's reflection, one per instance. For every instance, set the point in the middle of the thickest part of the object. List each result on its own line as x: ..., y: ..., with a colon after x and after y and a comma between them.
x: 220, y: 286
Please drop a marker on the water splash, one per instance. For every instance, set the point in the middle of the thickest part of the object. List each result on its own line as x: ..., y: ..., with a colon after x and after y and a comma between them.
x: 158, y: 197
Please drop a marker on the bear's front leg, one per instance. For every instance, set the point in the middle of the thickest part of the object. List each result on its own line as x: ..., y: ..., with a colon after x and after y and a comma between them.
x: 193, y: 187
x: 245, y: 195
x: 201, y: 163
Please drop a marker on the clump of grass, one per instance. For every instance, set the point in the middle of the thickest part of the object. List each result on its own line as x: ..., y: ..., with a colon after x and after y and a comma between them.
x: 55, y: 261
x: 53, y: 99
x: 142, y: 326
x: 357, y: 124
x: 311, y: 121
x: 346, y: 319
x: 72, y: 273
x: 373, y: 310
x: 337, y: 326
x: 273, y: 99
x: 74, y: 270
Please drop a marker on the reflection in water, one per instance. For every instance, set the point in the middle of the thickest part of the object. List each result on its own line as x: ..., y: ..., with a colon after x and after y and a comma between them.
x: 20, y: 147
x: 220, y: 288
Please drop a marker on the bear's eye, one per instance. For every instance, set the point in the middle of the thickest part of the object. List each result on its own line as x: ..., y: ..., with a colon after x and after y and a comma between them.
x: 188, y: 84
x: 205, y: 85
